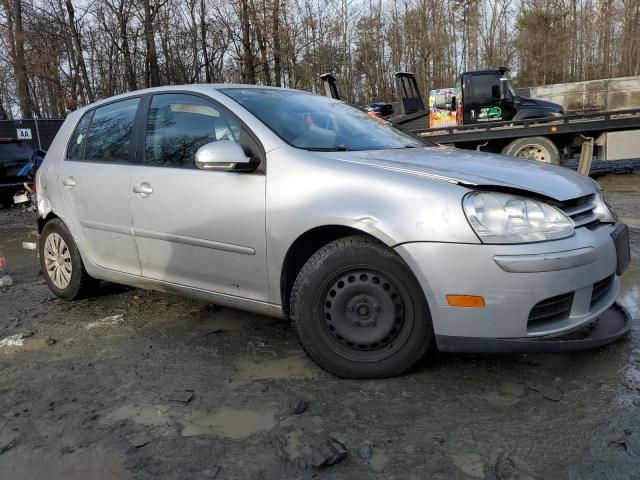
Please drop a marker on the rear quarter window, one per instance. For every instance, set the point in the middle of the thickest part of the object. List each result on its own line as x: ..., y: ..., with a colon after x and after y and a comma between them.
x: 75, y: 150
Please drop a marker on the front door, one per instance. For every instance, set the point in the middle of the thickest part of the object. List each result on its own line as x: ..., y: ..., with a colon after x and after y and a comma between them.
x: 95, y: 179
x: 197, y: 228
x: 482, y: 99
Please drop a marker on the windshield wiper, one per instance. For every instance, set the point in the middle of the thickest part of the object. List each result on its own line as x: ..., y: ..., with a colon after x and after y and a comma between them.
x: 340, y: 148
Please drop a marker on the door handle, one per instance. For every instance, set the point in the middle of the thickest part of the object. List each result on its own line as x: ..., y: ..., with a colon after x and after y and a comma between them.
x: 143, y: 189
x: 69, y: 182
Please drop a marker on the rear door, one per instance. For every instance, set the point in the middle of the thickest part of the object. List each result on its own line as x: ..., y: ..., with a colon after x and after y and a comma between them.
x: 95, y: 180
x: 197, y: 228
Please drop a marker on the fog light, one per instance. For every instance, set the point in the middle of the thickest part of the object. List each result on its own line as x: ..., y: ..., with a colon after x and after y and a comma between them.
x: 466, y: 301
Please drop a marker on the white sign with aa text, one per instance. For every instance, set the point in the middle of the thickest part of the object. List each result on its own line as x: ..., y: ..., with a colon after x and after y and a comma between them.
x: 24, y: 133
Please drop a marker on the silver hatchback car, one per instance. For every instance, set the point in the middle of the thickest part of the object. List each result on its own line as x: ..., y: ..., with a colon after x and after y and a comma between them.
x: 379, y: 246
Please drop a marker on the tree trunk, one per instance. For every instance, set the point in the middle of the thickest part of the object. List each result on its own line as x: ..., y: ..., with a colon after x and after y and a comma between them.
x: 153, y: 71
x: 277, y: 58
x: 16, y: 46
x: 203, y: 42
x: 248, y: 71
x: 75, y: 34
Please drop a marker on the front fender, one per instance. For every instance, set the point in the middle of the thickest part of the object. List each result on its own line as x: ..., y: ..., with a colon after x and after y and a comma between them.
x: 306, y: 191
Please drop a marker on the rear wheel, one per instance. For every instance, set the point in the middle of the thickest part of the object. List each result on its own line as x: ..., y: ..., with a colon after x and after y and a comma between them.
x: 359, y: 311
x: 62, y: 264
x: 534, y: 148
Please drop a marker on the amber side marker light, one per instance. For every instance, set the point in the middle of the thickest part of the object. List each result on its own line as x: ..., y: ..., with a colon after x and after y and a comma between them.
x: 554, y: 129
x: 467, y: 301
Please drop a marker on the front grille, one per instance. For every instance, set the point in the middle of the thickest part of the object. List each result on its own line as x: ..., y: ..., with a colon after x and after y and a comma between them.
x: 581, y: 210
x: 551, y: 309
x: 600, y: 289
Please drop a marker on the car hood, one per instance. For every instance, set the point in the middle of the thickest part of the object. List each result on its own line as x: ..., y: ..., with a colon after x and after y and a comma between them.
x: 470, y: 168
x: 530, y: 102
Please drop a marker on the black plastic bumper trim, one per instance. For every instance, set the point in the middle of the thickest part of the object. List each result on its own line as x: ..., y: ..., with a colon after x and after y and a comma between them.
x: 611, y: 325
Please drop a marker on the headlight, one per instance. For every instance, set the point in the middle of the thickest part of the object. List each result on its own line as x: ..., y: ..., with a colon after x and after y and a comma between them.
x: 556, y: 114
x: 604, y: 210
x: 504, y: 218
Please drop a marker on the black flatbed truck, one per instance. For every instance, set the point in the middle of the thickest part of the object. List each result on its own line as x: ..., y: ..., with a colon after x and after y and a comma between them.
x: 568, y: 135
x: 539, y: 131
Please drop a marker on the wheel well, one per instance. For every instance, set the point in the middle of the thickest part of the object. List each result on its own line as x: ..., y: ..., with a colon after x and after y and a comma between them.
x: 302, y: 249
x: 43, y: 221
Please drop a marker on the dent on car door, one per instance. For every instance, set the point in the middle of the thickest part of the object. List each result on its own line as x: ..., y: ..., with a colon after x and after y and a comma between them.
x: 197, y: 228
x: 95, y: 180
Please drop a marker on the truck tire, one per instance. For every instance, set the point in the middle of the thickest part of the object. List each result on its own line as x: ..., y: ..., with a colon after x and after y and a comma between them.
x: 62, y: 264
x: 359, y: 312
x: 533, y: 148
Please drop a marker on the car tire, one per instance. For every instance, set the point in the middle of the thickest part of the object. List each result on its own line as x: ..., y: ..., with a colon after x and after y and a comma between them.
x: 62, y: 264
x: 359, y: 312
x: 534, y: 148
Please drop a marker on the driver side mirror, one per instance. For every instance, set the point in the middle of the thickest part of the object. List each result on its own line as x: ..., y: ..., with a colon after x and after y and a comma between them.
x: 223, y: 155
x: 454, y: 103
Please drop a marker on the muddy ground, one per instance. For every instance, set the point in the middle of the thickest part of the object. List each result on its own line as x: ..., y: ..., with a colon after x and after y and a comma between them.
x: 142, y: 385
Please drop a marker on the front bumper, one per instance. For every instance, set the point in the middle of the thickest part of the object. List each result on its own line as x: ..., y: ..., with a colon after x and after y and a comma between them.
x: 611, y: 325
x: 516, y: 282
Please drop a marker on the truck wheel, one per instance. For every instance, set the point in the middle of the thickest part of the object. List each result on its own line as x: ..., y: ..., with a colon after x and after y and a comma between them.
x: 359, y: 312
x: 61, y: 263
x: 533, y: 148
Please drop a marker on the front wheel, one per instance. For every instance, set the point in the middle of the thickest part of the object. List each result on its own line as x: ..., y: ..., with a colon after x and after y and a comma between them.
x: 62, y: 264
x: 359, y: 312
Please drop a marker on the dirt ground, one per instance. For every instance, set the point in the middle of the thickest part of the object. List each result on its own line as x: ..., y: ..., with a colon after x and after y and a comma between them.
x: 141, y: 385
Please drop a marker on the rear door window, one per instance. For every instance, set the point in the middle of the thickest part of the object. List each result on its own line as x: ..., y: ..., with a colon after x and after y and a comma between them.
x: 179, y: 124
x: 109, y: 135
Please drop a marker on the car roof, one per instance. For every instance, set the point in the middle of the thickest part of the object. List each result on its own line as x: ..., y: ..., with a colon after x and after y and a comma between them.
x: 195, y: 87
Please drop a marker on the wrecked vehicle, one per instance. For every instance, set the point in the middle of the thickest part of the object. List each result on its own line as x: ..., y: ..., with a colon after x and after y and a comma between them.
x: 16, y: 156
x: 379, y: 247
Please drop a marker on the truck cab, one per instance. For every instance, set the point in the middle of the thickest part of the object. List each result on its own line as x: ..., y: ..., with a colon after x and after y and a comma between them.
x: 487, y: 96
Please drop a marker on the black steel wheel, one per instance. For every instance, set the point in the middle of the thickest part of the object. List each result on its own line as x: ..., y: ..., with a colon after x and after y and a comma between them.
x: 359, y: 311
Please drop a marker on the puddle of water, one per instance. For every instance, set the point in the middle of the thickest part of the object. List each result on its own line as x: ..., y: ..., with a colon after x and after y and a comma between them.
x: 23, y: 463
x: 16, y: 257
x: 379, y: 459
x: 507, y: 395
x: 295, y: 366
x: 148, y: 415
x: 630, y: 293
x: 228, y: 422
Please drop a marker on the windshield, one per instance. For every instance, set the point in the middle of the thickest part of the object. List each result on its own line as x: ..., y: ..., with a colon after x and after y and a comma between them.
x: 319, y: 123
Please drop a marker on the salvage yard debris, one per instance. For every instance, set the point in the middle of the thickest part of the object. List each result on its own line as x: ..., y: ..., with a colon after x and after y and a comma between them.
x: 328, y: 454
x: 106, y: 321
x: 16, y: 340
